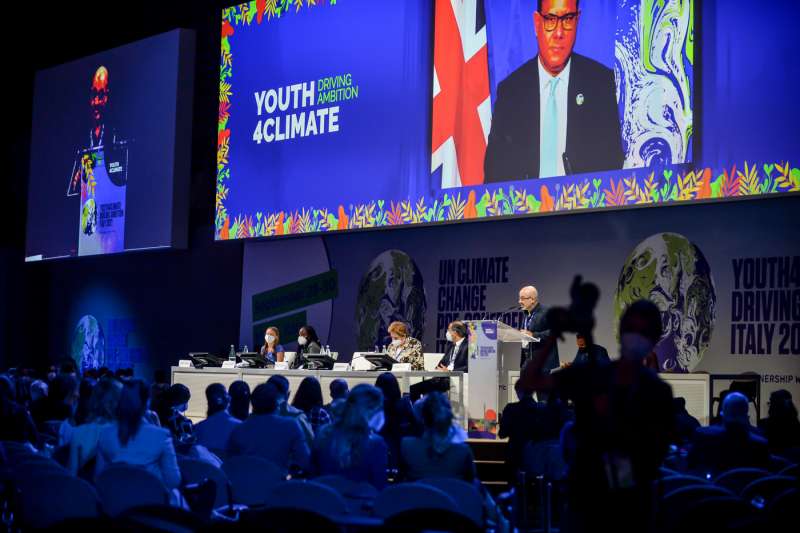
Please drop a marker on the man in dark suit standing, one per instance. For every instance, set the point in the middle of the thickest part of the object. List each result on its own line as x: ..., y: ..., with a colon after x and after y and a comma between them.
x: 456, y: 355
x: 557, y: 113
x: 536, y: 326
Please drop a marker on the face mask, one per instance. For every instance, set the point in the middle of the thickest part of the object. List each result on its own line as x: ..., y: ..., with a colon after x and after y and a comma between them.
x: 301, y: 341
x: 377, y: 420
x: 396, y: 342
x: 448, y: 336
x: 269, y: 338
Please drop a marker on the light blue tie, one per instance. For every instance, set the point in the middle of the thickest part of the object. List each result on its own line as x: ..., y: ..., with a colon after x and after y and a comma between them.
x: 548, y: 157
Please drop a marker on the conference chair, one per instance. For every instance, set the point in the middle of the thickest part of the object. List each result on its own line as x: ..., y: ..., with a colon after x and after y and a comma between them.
x: 467, y: 498
x: 791, y: 470
x: 419, y: 520
x: 762, y: 491
x: 196, y: 471
x: 715, y: 513
x: 431, y: 360
x: 782, y: 511
x: 736, y: 479
x: 160, y: 518
x: 360, y: 496
x: 47, y: 498
x: 286, y: 519
x: 122, y: 487
x: 252, y: 479
x: 668, y: 484
x: 675, y: 503
x: 308, y: 496
x: 778, y: 463
x: 396, y: 499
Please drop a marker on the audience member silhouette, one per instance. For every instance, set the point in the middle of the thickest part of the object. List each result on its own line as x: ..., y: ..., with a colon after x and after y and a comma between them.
x: 730, y: 444
x: 351, y: 446
x: 400, y: 419
x: 239, y: 391
x: 624, y: 418
x: 131, y: 440
x: 527, y: 421
x: 101, y: 413
x: 339, y: 390
x: 281, y: 384
x: 216, y: 429
x: 308, y: 399
x: 685, y: 424
x: 440, y: 451
x: 267, y: 434
x: 15, y: 422
x: 782, y: 427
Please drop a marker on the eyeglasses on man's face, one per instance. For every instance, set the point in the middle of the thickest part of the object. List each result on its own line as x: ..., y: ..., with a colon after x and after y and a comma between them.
x: 567, y: 20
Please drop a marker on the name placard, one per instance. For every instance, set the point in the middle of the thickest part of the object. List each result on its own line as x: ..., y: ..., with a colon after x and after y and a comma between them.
x: 185, y: 363
x: 401, y: 367
x: 341, y: 367
x: 282, y: 365
x: 229, y: 364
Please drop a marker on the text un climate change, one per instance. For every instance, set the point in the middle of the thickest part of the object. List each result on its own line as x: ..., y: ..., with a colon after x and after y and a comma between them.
x: 299, y: 96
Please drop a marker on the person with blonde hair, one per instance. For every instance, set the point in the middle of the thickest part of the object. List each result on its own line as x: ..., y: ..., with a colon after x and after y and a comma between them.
x: 405, y: 348
x: 272, y: 350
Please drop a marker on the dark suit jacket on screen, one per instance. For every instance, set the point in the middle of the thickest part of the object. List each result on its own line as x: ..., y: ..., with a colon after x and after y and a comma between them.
x: 594, y: 141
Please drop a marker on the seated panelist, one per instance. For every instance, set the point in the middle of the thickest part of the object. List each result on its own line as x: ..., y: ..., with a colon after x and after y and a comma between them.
x: 272, y: 349
x: 307, y: 343
x: 405, y: 348
x: 456, y: 357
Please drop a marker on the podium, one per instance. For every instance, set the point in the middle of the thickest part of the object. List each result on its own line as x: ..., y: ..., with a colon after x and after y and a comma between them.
x: 494, y: 350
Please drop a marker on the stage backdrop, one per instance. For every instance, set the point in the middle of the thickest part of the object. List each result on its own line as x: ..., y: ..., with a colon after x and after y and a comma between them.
x: 726, y: 277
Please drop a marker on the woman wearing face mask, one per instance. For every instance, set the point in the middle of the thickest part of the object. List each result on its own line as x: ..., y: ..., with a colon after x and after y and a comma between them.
x: 307, y: 342
x: 351, y: 447
x: 404, y: 348
x: 272, y: 349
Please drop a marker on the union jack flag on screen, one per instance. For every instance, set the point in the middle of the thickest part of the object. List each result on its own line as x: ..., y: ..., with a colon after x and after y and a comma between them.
x: 462, y: 109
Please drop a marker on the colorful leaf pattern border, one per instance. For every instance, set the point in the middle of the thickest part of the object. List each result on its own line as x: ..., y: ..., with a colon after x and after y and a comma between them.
x: 574, y: 193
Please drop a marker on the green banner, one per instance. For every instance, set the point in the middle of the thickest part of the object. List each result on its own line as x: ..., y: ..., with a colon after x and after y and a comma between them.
x: 295, y: 295
x: 288, y: 326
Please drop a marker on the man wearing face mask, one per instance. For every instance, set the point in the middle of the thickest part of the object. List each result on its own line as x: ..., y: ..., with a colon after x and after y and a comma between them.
x: 307, y: 343
x: 456, y: 354
x: 624, y: 423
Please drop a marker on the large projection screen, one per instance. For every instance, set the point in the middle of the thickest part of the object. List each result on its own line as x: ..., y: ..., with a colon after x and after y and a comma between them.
x: 357, y: 114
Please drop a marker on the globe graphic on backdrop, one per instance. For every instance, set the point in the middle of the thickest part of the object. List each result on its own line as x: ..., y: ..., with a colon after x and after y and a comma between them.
x: 391, y: 289
x: 672, y: 272
x: 88, y: 344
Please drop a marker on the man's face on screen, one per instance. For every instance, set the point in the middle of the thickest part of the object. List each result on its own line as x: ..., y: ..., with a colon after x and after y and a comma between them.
x: 556, y: 28
x: 98, y: 96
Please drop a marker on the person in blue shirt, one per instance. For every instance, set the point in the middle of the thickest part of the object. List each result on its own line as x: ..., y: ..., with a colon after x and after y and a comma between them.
x: 272, y: 350
x: 269, y: 435
x: 214, y: 431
